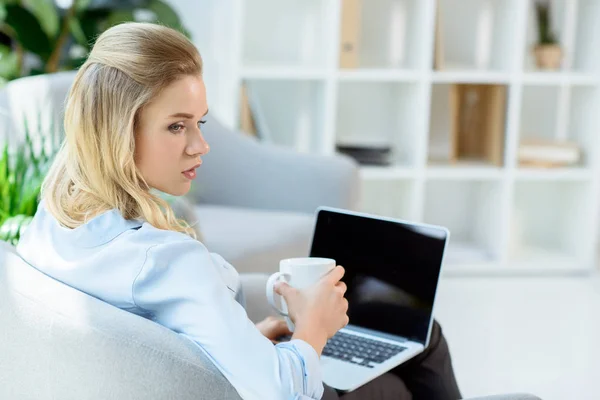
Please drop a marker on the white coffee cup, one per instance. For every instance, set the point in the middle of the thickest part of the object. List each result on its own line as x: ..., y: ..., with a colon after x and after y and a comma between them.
x: 298, y: 273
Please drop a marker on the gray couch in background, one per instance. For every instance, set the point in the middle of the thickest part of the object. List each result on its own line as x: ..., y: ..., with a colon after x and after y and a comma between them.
x: 253, y: 202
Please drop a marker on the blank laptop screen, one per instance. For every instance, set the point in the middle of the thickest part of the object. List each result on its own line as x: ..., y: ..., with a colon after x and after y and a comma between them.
x: 392, y: 270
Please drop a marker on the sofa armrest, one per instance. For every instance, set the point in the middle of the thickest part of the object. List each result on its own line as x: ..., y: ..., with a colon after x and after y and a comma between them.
x: 255, y: 295
x: 241, y: 171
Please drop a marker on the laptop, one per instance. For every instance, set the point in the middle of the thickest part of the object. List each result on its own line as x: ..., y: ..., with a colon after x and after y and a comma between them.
x: 392, y: 272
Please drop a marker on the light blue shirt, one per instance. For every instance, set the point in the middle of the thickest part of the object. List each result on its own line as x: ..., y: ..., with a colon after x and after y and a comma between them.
x: 174, y: 280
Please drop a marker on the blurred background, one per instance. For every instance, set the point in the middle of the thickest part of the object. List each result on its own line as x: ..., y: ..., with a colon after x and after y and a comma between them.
x: 478, y: 115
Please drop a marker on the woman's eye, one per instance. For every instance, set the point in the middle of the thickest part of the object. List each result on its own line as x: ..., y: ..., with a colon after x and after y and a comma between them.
x: 176, y: 128
x: 201, y: 123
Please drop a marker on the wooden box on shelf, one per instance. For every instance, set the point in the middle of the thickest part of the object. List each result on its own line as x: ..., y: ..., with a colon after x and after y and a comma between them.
x: 478, y: 120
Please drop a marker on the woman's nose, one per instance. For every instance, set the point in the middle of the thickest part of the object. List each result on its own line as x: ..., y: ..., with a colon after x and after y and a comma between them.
x: 197, y: 145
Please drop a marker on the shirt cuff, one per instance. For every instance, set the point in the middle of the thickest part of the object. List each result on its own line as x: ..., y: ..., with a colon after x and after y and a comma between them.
x: 312, y: 367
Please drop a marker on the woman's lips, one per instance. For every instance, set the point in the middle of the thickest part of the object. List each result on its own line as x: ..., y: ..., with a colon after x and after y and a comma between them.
x: 190, y: 173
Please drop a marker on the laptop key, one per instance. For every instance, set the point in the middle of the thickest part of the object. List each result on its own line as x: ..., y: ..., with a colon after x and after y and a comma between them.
x: 359, y: 350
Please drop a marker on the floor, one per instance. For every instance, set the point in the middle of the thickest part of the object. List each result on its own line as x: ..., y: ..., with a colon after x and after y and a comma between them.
x: 536, y: 335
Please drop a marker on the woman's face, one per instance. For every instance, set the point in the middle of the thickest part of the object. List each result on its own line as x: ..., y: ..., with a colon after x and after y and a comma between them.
x: 168, y: 139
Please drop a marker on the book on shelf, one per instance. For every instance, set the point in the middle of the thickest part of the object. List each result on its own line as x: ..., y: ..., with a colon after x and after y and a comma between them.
x: 477, y: 122
x: 548, y: 153
x: 247, y: 124
x: 252, y: 118
x: 350, y: 33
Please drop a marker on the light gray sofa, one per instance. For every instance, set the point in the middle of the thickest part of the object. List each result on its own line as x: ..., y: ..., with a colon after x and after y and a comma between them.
x: 59, y: 343
x: 253, y: 202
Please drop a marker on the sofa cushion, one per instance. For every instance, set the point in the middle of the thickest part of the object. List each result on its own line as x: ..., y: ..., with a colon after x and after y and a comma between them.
x: 255, y: 240
x: 64, y: 344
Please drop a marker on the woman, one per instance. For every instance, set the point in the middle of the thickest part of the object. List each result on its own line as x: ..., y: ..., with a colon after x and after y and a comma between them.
x: 132, y: 125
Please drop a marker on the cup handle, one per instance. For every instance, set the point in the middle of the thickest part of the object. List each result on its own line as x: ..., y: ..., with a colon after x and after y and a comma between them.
x: 273, y: 279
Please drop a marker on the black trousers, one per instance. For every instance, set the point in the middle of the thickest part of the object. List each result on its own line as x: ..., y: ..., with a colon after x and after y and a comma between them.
x: 428, y: 376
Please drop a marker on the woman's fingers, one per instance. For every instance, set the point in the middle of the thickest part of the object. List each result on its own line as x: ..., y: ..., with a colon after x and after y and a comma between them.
x: 341, y: 287
x: 335, y: 274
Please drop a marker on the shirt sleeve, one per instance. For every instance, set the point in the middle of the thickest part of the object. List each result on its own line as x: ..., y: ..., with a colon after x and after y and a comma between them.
x: 182, y: 287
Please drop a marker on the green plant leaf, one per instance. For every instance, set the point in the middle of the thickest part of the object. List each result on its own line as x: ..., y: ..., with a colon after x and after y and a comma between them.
x: 81, y: 5
x: 12, y: 228
x: 91, y: 22
x: 46, y: 13
x: 77, y: 31
x: 2, y: 12
x: 4, y: 185
x: 165, y: 14
x: 22, y: 171
x: 28, y: 30
x: 73, y: 63
x: 9, y: 63
x: 117, y: 17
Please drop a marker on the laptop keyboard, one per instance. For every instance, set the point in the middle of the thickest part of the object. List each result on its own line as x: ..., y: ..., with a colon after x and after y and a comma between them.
x: 360, y: 350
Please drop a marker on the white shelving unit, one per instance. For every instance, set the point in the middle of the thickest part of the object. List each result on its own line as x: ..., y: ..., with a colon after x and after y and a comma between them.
x: 504, y: 219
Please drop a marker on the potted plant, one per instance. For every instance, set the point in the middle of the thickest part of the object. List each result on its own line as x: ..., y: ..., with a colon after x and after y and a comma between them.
x: 22, y: 171
x: 42, y: 36
x: 548, y: 53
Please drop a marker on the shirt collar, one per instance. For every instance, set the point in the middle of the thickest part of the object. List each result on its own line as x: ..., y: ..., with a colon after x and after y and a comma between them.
x: 97, y: 231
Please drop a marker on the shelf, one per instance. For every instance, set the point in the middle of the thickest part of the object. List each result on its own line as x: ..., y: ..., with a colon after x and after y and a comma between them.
x: 468, y: 260
x: 575, y: 25
x: 460, y: 129
x: 504, y: 218
x: 536, y: 260
x: 478, y: 33
x: 564, y: 114
x: 389, y: 173
x: 586, y: 55
x: 469, y: 76
x: 286, y: 73
x: 554, y: 218
x: 539, y: 112
x: 463, y: 257
x: 582, y: 126
x: 296, y: 122
x: 397, y: 201
x: 383, y: 114
x: 466, y: 254
x: 559, y: 25
x: 277, y: 33
x: 554, y: 174
x: 464, y: 171
x: 390, y: 33
x: 380, y: 75
x: 471, y: 210
x: 560, y: 78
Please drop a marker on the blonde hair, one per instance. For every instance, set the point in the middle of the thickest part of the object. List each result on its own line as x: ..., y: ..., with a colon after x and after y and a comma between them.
x: 94, y: 170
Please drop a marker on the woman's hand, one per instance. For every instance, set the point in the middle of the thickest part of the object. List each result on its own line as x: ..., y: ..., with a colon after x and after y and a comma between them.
x: 318, y: 311
x: 272, y: 328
